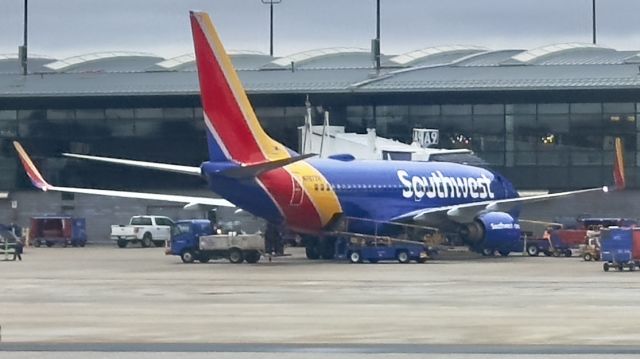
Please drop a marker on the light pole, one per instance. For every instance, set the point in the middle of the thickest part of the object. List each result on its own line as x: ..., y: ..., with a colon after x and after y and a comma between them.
x: 377, y: 46
x: 22, y: 50
x: 594, y: 21
x: 271, y: 3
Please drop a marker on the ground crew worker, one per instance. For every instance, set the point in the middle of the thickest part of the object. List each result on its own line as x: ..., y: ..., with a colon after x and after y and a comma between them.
x: 17, y: 253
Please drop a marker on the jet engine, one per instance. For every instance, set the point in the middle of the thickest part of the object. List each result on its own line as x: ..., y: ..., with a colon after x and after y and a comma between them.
x: 494, y: 231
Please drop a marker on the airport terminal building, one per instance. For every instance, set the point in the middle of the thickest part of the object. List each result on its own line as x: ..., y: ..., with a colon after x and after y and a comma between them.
x: 546, y: 118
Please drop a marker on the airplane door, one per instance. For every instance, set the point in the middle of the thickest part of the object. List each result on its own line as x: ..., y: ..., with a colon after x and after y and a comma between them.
x: 297, y: 194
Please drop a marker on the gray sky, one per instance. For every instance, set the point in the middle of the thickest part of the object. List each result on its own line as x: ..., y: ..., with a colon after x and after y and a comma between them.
x: 63, y: 28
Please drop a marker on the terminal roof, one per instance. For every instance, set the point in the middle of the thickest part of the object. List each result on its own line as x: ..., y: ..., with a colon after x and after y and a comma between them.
x: 332, y: 70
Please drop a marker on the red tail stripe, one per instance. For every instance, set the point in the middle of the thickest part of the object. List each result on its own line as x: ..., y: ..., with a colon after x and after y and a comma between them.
x: 220, y: 104
x: 303, y: 217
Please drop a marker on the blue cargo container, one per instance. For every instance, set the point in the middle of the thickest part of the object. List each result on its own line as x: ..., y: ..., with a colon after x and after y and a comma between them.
x: 617, y: 248
x: 49, y: 230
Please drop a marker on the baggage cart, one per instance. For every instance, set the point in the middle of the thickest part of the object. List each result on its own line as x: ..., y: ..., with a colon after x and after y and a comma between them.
x: 617, y: 249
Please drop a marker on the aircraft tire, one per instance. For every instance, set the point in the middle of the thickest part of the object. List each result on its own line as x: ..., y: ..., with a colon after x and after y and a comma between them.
x: 311, y: 251
x: 326, y: 248
x: 312, y: 247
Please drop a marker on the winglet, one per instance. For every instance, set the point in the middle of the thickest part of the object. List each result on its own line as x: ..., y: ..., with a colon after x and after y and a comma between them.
x: 33, y: 173
x: 618, y: 166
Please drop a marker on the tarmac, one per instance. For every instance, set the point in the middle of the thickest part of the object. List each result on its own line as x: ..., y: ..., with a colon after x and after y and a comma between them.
x: 133, y: 300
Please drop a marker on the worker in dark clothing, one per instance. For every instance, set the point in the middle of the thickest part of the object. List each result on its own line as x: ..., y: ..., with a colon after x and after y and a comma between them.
x: 17, y: 254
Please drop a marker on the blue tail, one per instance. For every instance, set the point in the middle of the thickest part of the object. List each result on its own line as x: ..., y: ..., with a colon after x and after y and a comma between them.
x: 215, y: 151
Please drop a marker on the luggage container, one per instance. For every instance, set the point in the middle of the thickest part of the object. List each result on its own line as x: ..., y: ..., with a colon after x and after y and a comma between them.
x: 635, y: 252
x: 617, y: 248
x: 564, y: 240
x: 58, y: 229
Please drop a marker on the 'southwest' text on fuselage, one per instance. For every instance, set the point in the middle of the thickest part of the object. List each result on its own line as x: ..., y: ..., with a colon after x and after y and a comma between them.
x: 437, y: 185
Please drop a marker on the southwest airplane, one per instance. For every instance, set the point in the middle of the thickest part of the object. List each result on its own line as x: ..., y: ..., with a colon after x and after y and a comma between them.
x: 314, y: 197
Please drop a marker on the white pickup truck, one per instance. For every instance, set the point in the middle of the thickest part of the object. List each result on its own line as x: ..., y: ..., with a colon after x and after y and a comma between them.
x: 147, y: 230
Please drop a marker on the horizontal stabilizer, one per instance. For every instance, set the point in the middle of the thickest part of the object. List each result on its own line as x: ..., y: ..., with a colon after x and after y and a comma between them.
x: 143, y: 164
x: 38, y: 180
x: 255, y: 170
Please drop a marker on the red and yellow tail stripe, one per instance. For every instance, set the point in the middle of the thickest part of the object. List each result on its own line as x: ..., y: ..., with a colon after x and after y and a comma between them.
x: 325, y: 202
x: 235, y: 127
x: 33, y: 173
x: 314, y: 209
x: 228, y: 113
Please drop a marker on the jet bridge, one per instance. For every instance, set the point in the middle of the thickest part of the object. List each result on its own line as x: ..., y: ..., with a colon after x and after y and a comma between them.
x: 326, y: 140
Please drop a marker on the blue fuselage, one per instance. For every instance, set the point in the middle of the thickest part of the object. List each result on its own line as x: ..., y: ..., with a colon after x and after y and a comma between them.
x: 372, y: 190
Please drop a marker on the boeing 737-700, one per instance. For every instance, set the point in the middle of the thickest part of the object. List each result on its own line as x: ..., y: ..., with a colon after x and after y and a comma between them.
x: 313, y: 196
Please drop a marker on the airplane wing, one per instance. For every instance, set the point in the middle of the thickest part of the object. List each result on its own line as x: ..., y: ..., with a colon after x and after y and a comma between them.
x: 153, y: 165
x: 38, y: 180
x: 466, y: 212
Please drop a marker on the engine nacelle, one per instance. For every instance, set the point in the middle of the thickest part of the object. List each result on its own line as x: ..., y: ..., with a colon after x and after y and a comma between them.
x: 494, y: 231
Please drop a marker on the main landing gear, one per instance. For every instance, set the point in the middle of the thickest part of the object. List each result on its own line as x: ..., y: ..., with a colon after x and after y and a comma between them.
x: 319, y: 247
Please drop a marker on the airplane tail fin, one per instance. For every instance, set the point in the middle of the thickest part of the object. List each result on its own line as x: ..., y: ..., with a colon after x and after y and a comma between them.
x: 234, y: 133
x: 618, y: 166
